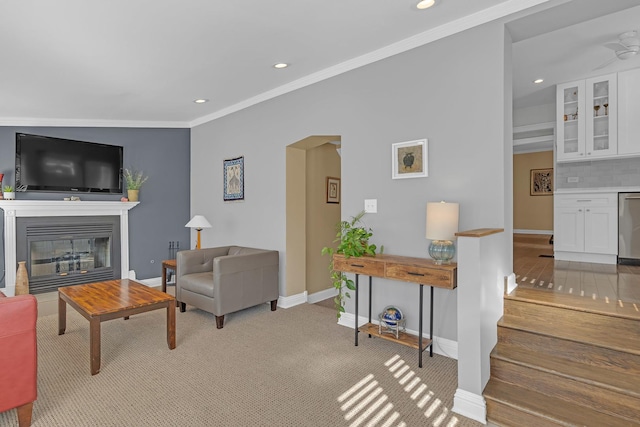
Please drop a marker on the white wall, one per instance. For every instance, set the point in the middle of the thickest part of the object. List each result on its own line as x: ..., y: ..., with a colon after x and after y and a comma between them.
x: 450, y: 91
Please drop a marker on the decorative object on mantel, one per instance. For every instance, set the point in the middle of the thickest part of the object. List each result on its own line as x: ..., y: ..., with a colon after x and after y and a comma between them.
x: 134, y: 180
x: 233, y: 179
x: 541, y: 182
x: 8, y: 192
x: 409, y: 159
x: 22, y: 279
x: 198, y: 222
x: 353, y: 241
x: 442, y: 226
x: 391, y: 321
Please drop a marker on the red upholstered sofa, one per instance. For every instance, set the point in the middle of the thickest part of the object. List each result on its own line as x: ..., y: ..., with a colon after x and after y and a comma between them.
x: 18, y: 355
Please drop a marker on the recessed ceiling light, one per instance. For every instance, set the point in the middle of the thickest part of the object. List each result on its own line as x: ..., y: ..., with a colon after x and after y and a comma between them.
x: 425, y: 4
x: 281, y: 65
x: 538, y: 81
x: 200, y: 101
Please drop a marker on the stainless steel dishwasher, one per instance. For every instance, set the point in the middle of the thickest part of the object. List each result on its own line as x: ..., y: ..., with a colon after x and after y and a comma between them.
x: 629, y: 228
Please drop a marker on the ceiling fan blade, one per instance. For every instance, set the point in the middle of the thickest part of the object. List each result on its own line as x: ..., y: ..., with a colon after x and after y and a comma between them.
x: 604, y: 64
x: 615, y: 46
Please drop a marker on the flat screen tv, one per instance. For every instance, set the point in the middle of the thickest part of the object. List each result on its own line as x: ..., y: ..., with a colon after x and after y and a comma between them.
x: 53, y: 164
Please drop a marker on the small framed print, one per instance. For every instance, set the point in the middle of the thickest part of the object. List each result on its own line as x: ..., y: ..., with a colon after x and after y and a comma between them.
x: 409, y: 159
x: 541, y: 182
x: 333, y: 190
x: 233, y: 180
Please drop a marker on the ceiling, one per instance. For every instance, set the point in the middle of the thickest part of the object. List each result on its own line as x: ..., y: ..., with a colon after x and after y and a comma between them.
x: 143, y: 62
x: 567, y: 43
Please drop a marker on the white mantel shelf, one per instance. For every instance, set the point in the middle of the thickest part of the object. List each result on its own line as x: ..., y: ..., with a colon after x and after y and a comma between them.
x: 50, y: 208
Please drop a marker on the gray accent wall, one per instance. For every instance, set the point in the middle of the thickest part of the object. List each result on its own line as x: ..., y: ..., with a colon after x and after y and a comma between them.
x: 163, y: 154
x: 451, y: 92
x: 599, y: 173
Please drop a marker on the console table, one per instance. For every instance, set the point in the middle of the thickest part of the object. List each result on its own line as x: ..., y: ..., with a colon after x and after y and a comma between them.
x: 421, y: 271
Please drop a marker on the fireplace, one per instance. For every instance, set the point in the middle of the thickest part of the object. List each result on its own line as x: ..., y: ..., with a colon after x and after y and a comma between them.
x: 64, y: 251
x: 16, y: 210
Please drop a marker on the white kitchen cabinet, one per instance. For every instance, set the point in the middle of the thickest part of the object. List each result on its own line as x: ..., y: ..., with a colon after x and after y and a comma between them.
x: 586, y: 227
x: 587, y: 122
x: 629, y: 112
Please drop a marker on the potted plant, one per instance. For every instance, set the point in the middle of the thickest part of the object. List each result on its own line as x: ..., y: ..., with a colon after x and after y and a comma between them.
x: 8, y: 192
x: 353, y: 241
x: 134, y: 180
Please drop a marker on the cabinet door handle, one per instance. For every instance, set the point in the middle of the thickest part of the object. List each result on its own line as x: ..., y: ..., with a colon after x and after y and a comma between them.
x: 588, y: 210
x: 414, y: 274
x: 579, y: 210
x: 588, y: 154
x: 357, y: 265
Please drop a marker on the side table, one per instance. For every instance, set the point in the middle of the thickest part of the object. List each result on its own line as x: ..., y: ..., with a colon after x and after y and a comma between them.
x: 167, y: 264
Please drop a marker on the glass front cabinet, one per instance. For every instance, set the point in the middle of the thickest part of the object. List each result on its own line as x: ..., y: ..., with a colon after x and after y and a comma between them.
x: 587, y: 118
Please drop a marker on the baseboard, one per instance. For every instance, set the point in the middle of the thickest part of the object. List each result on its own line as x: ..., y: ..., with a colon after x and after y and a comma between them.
x: 152, y: 282
x: 585, y: 257
x: 322, y: 295
x: 293, y: 300
x: 547, y: 232
x: 442, y: 346
x: 470, y: 405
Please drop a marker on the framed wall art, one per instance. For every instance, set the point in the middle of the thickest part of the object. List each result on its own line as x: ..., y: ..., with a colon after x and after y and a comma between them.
x: 541, y: 182
x: 409, y: 159
x: 233, y: 187
x: 333, y: 190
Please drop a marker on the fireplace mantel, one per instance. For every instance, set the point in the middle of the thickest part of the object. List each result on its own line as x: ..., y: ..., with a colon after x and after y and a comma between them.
x: 48, y: 208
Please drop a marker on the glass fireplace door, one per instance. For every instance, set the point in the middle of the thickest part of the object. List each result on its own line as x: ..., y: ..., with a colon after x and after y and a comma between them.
x: 66, y: 256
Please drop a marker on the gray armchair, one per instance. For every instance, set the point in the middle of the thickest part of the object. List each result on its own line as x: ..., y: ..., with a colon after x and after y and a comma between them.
x: 227, y: 279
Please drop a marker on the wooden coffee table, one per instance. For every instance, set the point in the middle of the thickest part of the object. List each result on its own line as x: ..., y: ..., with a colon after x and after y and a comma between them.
x: 113, y: 299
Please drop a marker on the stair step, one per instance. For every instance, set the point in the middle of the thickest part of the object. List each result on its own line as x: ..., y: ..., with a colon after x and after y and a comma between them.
x: 616, y: 308
x: 548, y: 346
x: 618, y: 333
x: 627, y: 383
x: 511, y: 405
x: 566, y: 388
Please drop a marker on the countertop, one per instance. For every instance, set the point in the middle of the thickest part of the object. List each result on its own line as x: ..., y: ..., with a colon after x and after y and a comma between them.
x: 597, y: 190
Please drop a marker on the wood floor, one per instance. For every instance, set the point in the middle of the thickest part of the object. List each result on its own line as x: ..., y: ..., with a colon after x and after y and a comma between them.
x: 535, y: 268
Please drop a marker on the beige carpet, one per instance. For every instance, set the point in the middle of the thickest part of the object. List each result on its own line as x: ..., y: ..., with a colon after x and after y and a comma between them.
x: 293, y: 367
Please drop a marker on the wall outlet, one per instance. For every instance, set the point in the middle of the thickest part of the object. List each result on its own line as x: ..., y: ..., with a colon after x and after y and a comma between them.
x: 573, y: 179
x: 371, y: 205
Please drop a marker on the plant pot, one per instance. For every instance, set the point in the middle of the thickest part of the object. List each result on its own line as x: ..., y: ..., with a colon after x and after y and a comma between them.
x: 9, y: 195
x: 133, y: 195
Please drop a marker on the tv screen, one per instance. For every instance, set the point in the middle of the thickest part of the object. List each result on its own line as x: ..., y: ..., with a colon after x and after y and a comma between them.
x: 53, y: 164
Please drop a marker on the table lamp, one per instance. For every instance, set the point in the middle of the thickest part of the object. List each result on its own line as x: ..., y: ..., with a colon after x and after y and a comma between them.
x: 198, y: 222
x: 442, y: 226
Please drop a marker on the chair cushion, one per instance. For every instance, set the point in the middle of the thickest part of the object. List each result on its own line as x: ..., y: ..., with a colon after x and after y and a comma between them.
x: 199, y: 283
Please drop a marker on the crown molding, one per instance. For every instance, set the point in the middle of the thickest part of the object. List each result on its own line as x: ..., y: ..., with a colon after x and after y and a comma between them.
x: 482, y: 17
x: 34, y: 121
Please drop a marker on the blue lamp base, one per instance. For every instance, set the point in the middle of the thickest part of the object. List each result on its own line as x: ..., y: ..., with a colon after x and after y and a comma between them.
x: 442, y: 251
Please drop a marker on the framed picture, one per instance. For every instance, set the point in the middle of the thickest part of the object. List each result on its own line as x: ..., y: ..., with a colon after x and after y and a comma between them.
x: 233, y: 187
x: 333, y: 190
x: 541, y: 182
x: 409, y: 159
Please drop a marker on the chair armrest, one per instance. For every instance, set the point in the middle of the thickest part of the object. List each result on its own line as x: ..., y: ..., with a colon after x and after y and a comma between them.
x: 197, y: 260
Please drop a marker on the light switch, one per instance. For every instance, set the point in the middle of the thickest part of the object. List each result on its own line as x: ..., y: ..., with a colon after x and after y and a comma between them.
x: 371, y: 205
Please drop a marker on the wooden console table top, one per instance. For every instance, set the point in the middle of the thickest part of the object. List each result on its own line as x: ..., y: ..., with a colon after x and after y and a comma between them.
x: 408, y: 269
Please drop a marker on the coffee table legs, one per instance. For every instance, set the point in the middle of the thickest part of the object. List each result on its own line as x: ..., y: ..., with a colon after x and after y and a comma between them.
x: 171, y: 325
x: 62, y: 316
x: 94, y: 343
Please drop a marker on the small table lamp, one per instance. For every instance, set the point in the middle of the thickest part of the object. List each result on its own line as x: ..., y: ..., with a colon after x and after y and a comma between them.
x: 442, y: 226
x: 198, y: 222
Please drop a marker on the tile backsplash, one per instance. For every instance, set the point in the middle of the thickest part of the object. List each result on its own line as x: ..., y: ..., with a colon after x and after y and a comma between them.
x: 599, y: 173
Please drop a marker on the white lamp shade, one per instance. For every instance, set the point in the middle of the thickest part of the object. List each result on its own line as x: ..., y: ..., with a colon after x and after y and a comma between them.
x: 198, y: 221
x: 442, y: 220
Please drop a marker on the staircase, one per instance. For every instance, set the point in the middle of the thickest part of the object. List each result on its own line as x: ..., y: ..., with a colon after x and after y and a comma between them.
x: 564, y: 360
